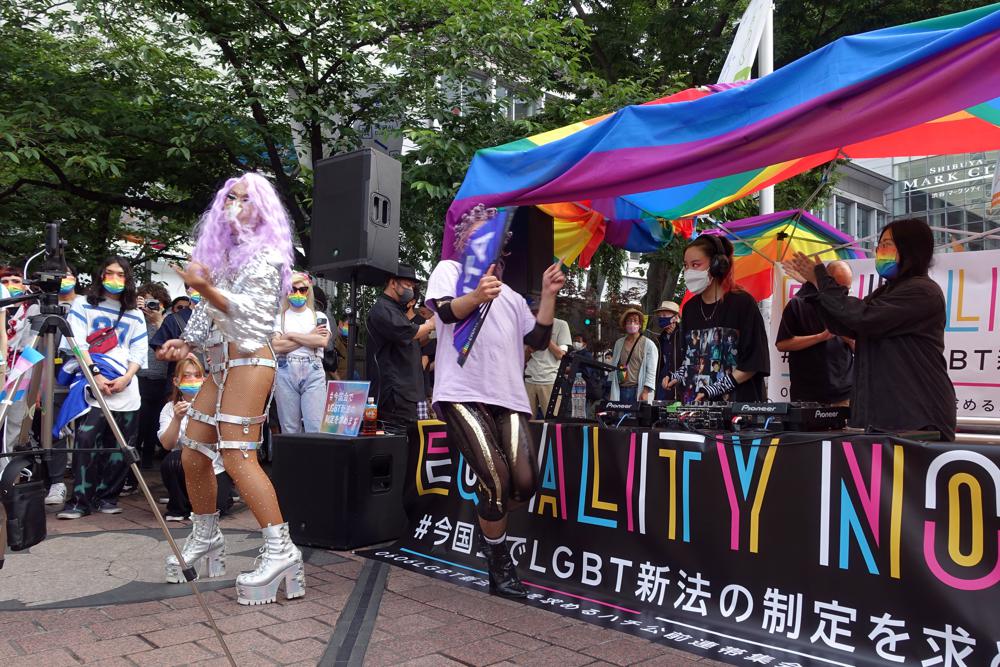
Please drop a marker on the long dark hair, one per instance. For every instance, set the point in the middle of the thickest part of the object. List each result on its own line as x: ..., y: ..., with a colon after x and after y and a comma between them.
x: 914, y: 242
x: 96, y: 292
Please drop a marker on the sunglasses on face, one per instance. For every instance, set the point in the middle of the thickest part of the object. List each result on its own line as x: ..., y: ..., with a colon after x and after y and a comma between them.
x: 301, y: 290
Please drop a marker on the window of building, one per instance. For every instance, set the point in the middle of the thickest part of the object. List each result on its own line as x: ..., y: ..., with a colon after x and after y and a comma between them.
x: 864, y: 226
x: 842, y: 215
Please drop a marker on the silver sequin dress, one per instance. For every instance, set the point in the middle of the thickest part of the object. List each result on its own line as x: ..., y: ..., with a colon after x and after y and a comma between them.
x: 253, y: 292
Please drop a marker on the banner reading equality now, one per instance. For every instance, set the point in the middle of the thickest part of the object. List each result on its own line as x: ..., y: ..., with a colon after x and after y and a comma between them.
x: 790, y: 550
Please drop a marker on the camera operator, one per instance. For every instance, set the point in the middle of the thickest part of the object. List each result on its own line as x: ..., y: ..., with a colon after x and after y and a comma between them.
x: 154, y: 382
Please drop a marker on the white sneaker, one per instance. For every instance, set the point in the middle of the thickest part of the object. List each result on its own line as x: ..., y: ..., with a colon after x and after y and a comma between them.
x: 57, y: 494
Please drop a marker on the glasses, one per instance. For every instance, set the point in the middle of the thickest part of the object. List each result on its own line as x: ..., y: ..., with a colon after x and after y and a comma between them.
x: 887, y: 244
x: 301, y: 290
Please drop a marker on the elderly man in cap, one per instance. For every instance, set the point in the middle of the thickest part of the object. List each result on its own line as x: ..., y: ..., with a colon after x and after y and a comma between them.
x: 393, y: 351
x: 635, y: 357
x: 663, y: 324
x: 543, y: 365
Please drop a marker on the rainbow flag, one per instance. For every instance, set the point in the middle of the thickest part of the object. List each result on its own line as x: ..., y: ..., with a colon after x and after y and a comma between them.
x: 28, y: 358
x: 923, y: 88
x: 764, y: 240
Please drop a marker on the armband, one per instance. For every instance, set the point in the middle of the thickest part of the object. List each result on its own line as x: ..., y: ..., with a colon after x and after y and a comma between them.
x: 725, y: 384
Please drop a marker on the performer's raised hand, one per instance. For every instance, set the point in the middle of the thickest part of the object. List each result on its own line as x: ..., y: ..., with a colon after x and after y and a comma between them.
x: 196, y: 276
x: 553, y: 279
x: 489, y: 286
x: 173, y: 350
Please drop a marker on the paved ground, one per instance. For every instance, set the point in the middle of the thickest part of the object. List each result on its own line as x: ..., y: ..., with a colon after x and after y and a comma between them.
x: 90, y: 594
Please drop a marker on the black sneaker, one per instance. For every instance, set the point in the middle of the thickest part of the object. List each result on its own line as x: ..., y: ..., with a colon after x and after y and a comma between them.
x: 73, y: 512
x: 108, y: 507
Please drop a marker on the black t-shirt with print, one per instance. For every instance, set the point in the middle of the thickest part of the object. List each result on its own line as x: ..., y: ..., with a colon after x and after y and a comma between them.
x: 722, y: 337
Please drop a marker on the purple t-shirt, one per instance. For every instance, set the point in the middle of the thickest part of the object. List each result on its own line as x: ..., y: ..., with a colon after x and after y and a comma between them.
x: 494, y: 372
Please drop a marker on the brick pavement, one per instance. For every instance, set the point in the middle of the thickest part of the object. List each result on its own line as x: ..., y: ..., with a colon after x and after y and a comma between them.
x: 420, y: 621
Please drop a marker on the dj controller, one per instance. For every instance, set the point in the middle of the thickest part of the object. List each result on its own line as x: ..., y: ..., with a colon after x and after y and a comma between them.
x: 771, y: 417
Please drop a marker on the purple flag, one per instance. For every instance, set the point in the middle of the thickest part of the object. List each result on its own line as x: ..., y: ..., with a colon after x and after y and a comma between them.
x: 482, y: 249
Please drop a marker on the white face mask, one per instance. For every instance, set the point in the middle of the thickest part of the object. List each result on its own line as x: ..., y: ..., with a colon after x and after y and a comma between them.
x: 577, y: 345
x: 697, y: 281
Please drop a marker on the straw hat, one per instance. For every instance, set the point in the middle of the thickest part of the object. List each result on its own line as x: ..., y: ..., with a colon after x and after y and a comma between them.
x: 631, y: 311
x: 668, y: 306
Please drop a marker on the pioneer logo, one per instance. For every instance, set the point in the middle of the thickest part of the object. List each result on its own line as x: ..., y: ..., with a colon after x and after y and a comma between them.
x: 820, y: 414
x: 761, y: 408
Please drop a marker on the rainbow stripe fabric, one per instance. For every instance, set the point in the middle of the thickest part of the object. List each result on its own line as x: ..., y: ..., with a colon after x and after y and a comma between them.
x: 761, y: 241
x: 922, y: 88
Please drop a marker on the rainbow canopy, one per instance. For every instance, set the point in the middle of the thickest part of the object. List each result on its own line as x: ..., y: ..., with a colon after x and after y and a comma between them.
x: 931, y: 87
x: 761, y: 241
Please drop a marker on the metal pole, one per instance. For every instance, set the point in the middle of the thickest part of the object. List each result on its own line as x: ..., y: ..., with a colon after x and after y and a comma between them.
x: 765, y: 65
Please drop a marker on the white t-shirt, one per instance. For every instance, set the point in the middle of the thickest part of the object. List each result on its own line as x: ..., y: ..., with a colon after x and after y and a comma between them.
x: 303, y: 321
x: 494, y: 372
x: 133, y: 344
x: 543, y: 365
x: 167, y: 416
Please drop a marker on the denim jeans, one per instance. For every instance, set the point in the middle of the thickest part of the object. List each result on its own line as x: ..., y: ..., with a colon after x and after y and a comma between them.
x: 628, y: 394
x: 300, y: 394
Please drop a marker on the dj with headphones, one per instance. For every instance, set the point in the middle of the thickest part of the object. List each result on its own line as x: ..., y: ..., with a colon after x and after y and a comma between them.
x: 723, y: 336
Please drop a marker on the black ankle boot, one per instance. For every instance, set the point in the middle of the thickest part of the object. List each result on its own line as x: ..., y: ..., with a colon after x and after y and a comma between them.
x: 503, y: 575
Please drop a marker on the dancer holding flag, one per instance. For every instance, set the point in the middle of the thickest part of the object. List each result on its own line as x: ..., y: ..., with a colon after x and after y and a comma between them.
x: 484, y: 400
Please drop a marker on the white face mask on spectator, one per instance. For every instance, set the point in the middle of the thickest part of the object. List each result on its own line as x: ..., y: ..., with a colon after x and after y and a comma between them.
x: 577, y: 345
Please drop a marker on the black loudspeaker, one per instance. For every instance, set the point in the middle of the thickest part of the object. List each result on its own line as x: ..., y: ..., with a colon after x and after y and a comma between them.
x: 529, y: 250
x: 340, y: 492
x: 355, y: 217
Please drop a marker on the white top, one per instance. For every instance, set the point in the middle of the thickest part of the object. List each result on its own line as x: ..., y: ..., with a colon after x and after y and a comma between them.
x: 543, y: 365
x: 303, y: 321
x: 133, y: 344
x: 494, y: 372
x: 167, y: 416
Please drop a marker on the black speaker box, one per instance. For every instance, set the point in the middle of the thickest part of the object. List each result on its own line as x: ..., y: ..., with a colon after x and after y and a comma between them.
x: 529, y: 250
x: 355, y: 217
x: 338, y: 492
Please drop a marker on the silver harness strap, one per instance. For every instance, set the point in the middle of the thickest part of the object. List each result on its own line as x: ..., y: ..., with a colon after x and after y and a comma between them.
x: 199, y: 416
x: 208, y: 449
x: 245, y: 422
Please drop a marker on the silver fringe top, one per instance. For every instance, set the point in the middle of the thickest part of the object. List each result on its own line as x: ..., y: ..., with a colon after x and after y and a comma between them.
x: 253, y: 292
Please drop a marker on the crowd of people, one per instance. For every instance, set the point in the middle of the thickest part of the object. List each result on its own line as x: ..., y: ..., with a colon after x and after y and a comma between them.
x: 189, y: 379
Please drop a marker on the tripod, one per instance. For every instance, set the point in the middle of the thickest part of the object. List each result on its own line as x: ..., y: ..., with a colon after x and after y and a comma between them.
x: 44, y: 329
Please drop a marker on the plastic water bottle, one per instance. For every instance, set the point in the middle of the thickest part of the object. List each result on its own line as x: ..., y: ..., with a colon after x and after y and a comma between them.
x: 579, y: 397
x: 370, y: 424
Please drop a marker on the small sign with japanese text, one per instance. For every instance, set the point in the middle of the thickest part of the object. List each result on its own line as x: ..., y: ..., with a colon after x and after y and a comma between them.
x: 345, y: 407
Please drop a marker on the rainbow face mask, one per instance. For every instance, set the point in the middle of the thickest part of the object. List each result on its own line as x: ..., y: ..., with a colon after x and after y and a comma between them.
x: 297, y: 300
x: 886, y: 263
x: 15, y: 291
x: 114, y: 285
x: 190, y: 387
x: 195, y: 297
x: 344, y: 332
x: 67, y: 285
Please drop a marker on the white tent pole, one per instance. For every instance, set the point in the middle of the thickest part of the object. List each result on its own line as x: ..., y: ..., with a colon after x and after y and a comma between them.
x: 765, y: 65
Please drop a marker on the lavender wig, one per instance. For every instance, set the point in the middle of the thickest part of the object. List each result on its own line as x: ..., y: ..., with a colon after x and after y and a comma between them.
x: 269, y: 231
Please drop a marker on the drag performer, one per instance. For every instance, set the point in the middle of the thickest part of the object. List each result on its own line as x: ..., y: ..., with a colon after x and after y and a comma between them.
x: 485, y: 402
x: 246, y: 240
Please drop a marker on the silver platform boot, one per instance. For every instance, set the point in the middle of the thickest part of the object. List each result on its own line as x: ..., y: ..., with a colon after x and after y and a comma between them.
x: 204, y: 544
x: 279, y: 560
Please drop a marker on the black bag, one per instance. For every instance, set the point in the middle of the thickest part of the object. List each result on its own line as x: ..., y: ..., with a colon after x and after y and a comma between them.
x: 25, y: 506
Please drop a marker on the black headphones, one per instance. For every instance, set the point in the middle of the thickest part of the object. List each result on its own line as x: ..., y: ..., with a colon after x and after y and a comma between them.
x: 720, y: 263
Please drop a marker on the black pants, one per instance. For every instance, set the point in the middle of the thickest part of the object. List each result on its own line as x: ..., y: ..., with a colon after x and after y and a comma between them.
x: 396, y: 411
x: 153, y: 392
x: 496, y: 443
x: 99, y: 476
x: 178, y: 503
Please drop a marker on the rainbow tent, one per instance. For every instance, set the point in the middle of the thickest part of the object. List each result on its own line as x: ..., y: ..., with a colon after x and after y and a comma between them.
x: 761, y: 241
x: 931, y: 87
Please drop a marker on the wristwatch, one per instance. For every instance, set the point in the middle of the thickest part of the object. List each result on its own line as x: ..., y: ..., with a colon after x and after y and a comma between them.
x: 95, y: 370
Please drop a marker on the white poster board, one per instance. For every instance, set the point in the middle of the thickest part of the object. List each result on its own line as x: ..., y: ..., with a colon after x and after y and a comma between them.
x: 969, y: 281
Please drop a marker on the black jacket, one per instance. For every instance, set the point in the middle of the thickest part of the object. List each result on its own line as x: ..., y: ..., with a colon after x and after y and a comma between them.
x: 901, y: 377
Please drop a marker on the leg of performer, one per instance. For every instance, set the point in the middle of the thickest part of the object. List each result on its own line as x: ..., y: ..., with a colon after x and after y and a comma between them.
x: 473, y: 430
x: 280, y: 560
x: 515, y: 442
x: 206, y: 543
